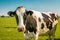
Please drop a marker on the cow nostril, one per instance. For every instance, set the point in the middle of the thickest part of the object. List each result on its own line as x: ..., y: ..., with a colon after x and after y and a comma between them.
x: 20, y: 29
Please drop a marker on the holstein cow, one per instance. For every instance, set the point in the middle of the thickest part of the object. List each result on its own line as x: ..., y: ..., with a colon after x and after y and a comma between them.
x: 34, y: 23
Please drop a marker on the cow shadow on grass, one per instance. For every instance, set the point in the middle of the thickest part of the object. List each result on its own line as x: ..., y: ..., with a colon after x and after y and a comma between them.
x: 10, y: 27
x: 55, y: 39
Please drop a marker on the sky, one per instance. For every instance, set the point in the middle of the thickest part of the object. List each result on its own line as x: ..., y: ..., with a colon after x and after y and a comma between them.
x: 38, y: 5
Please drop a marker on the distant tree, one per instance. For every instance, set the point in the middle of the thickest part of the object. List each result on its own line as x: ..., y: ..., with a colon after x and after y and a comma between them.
x: 2, y: 16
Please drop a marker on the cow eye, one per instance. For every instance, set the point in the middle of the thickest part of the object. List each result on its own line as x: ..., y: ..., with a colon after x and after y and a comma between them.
x: 24, y: 16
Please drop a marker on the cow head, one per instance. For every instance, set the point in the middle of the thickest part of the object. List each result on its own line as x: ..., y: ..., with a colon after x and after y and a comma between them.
x: 21, y: 14
x: 20, y: 11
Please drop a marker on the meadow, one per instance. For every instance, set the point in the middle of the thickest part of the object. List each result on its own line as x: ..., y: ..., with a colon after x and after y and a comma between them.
x: 8, y: 30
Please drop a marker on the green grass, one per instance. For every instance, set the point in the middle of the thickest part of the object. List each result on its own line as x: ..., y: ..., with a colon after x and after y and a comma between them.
x: 8, y: 30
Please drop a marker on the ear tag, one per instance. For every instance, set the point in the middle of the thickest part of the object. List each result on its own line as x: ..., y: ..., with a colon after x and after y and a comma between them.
x: 29, y: 14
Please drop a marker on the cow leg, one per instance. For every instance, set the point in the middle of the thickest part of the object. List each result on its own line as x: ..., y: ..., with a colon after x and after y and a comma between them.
x: 36, y: 36
x: 51, y: 35
x: 53, y: 32
x: 26, y: 35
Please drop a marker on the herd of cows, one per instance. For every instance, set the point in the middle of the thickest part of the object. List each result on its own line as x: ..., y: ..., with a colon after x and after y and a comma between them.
x: 35, y: 22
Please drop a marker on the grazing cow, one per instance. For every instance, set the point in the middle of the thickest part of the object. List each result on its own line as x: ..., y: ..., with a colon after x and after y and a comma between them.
x: 35, y: 23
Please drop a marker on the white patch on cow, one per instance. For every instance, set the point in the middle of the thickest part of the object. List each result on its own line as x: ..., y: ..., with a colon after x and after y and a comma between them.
x: 36, y: 36
x: 37, y: 14
x: 28, y: 35
x: 50, y: 19
x: 20, y: 16
x: 20, y: 12
x: 55, y: 23
x: 56, y: 15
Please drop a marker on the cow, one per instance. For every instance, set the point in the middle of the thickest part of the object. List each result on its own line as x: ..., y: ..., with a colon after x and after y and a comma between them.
x: 35, y: 23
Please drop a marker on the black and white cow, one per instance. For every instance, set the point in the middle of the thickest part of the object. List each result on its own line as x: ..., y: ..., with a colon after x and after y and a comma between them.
x: 35, y: 23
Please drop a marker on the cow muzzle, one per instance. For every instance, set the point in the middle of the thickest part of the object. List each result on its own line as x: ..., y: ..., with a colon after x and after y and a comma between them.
x: 21, y: 28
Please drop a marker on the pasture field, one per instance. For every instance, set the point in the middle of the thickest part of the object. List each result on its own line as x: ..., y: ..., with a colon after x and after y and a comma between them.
x: 8, y: 30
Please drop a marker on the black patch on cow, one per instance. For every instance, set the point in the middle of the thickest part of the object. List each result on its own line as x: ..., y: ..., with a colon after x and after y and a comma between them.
x: 17, y: 20
x: 31, y: 24
x: 45, y: 16
x: 24, y: 17
x: 53, y: 17
x: 16, y: 16
x: 49, y: 25
x: 47, y: 21
x: 29, y: 12
x: 42, y: 26
x: 39, y: 19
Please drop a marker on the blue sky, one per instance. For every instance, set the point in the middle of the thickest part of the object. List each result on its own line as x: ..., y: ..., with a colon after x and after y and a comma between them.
x: 39, y: 5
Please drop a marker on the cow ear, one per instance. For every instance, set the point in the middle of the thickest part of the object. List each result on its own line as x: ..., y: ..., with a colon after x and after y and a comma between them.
x: 29, y: 13
x: 10, y: 13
